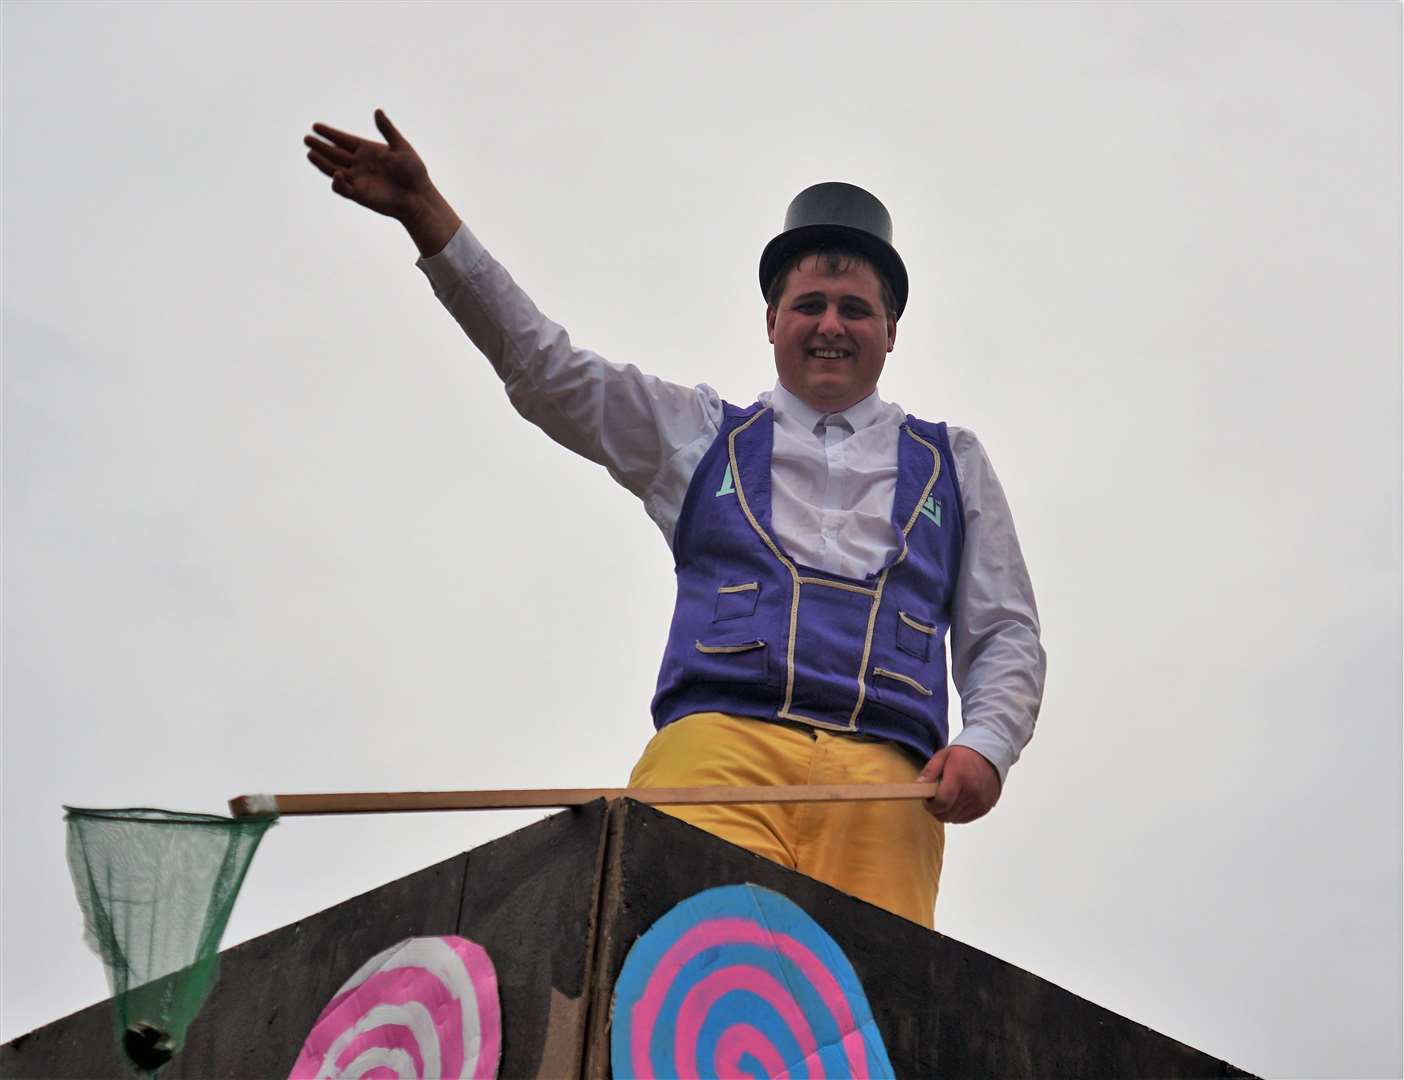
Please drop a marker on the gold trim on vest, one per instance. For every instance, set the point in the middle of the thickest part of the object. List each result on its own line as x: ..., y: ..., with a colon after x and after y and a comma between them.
x: 914, y: 624
x: 897, y: 676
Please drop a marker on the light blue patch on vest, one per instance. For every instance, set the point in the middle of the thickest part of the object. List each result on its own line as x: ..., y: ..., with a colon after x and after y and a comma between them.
x: 728, y: 488
x: 929, y: 509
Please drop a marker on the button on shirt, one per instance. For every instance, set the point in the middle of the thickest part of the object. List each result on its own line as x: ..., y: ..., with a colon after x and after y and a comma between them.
x: 833, y: 478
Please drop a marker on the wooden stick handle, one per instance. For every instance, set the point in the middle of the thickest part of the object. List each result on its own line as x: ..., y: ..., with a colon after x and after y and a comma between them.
x: 388, y: 802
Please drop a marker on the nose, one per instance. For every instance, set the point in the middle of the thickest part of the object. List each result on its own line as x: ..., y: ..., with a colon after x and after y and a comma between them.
x: 830, y: 325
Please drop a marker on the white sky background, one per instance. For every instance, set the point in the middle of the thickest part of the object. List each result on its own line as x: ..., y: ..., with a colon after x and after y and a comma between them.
x: 269, y: 523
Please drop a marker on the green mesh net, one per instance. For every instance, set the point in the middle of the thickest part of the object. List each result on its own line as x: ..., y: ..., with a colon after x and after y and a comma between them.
x: 156, y: 888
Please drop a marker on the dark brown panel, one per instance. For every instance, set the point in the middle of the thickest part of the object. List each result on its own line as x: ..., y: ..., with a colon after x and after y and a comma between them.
x: 529, y: 899
x: 557, y: 906
x: 943, y: 1008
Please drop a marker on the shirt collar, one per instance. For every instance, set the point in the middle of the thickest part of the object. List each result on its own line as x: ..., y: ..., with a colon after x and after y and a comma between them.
x: 861, y: 414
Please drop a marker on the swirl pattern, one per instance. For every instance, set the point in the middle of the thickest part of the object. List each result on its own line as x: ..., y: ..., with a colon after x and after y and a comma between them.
x: 738, y: 981
x: 426, y: 1007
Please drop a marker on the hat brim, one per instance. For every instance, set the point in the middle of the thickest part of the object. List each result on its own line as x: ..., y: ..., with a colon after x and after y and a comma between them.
x: 812, y: 237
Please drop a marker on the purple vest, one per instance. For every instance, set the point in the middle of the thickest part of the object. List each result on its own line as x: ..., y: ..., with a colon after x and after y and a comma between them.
x: 756, y: 634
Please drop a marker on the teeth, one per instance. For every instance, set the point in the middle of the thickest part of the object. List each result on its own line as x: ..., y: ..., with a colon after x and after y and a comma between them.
x: 828, y: 354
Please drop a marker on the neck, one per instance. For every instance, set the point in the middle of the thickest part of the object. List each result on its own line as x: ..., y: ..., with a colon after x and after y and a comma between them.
x: 829, y: 405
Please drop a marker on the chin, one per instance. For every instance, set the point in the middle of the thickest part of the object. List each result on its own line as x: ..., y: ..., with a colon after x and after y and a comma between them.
x: 827, y: 391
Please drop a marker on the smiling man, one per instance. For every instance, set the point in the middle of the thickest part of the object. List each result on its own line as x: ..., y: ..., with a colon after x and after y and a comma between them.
x: 830, y: 328
x: 824, y: 540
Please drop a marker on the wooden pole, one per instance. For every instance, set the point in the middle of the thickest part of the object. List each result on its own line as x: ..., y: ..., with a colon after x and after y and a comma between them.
x: 394, y: 802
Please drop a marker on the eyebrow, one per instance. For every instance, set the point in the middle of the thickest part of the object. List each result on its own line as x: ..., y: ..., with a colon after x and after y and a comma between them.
x: 818, y: 295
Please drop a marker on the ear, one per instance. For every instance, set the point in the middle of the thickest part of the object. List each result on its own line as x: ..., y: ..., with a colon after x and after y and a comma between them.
x: 891, y: 331
x: 770, y: 324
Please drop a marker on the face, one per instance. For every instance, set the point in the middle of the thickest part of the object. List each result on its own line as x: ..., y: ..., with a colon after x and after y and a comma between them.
x: 831, y: 334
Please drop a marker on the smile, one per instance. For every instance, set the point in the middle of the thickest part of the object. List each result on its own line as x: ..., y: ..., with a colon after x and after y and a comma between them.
x: 828, y: 354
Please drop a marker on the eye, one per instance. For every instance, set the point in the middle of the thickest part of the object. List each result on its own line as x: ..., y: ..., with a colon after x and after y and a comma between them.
x: 809, y: 307
x: 856, y: 311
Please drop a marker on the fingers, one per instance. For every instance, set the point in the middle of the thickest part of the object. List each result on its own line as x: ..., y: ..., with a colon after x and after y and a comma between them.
x: 322, y: 163
x: 393, y: 138
x: 947, y: 801
x: 326, y: 157
x: 957, y: 800
x: 955, y: 805
x: 342, y: 182
x: 968, y: 784
x: 328, y: 151
x: 939, y: 805
x: 343, y: 139
x: 932, y: 769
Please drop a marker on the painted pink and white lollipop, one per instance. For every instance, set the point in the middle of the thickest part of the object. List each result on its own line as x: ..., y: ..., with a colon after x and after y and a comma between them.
x: 739, y: 981
x: 426, y: 1007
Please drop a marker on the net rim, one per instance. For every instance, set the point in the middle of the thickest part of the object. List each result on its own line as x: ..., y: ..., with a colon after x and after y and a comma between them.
x: 150, y: 815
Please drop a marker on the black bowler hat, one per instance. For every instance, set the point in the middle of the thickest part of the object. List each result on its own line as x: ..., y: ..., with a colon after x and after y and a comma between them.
x: 835, y: 214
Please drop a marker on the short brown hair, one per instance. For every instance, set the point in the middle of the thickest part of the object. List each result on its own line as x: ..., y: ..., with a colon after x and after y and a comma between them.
x: 836, y: 260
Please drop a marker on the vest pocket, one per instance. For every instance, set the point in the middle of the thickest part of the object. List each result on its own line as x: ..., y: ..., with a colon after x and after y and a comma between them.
x: 913, y: 637
x: 736, y: 601
x: 898, y: 677
x: 741, y: 661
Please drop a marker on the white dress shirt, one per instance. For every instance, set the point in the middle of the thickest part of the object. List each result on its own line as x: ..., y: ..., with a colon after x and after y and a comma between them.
x: 834, y: 477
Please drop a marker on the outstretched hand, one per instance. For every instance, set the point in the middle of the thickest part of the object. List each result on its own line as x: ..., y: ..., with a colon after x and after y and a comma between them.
x: 968, y: 785
x: 389, y: 178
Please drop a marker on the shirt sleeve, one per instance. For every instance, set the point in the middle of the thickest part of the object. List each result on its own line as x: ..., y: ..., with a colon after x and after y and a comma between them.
x: 997, y: 658
x: 650, y: 434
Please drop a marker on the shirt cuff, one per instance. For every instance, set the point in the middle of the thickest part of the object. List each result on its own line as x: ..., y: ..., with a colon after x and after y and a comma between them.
x: 991, y: 746
x: 459, y: 258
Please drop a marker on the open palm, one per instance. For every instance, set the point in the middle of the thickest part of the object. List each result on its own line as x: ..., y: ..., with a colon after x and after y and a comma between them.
x: 389, y: 177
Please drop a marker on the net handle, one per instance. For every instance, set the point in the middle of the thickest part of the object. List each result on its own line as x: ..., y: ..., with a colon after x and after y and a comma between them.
x: 395, y: 802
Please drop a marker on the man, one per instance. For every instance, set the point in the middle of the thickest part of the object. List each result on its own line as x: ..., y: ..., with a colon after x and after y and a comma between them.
x: 824, y: 541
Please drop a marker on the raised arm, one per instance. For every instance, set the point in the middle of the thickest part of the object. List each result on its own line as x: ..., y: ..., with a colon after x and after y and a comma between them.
x: 389, y: 178
x: 649, y: 433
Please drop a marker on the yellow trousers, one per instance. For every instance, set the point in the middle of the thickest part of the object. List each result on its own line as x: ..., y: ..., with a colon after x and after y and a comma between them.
x: 887, y: 853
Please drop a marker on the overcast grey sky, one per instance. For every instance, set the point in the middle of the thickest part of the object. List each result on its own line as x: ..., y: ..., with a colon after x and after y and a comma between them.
x: 269, y: 523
